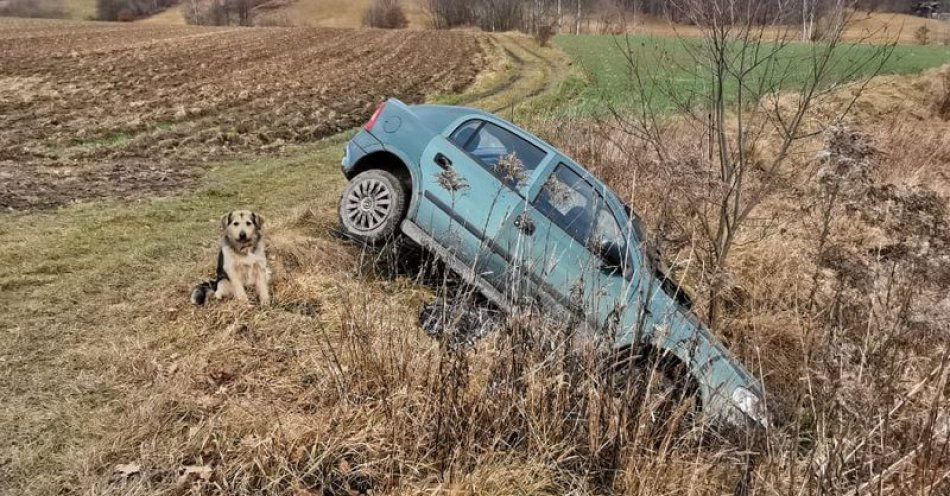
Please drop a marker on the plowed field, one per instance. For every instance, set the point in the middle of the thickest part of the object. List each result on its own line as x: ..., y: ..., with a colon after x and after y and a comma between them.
x: 91, y: 110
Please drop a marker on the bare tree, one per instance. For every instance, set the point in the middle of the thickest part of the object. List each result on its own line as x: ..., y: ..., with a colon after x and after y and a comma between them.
x: 748, y: 109
x: 220, y: 12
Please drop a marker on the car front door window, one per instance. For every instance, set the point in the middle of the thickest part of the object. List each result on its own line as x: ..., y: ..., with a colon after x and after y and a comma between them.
x: 607, y: 239
x: 568, y: 200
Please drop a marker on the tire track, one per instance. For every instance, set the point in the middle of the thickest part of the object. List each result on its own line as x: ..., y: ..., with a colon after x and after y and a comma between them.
x: 534, y: 73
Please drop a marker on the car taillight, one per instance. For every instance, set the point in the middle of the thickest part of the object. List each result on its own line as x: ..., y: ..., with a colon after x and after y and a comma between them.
x: 372, y: 120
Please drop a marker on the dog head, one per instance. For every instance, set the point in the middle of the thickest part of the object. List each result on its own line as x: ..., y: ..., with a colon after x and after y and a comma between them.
x: 243, y: 229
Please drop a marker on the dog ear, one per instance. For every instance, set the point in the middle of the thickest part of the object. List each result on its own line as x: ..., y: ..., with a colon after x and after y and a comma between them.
x: 258, y: 220
x: 225, y: 220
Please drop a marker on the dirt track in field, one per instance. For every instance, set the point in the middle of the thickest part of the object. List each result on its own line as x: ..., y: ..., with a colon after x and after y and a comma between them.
x: 94, y: 110
x: 530, y: 72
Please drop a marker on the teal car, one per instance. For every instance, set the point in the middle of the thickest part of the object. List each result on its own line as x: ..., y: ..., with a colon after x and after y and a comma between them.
x: 525, y: 224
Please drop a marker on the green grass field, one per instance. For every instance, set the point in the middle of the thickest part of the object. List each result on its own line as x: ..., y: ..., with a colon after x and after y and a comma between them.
x: 666, y: 68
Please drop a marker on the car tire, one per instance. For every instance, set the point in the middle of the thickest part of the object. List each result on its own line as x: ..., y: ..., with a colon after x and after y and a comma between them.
x: 372, y: 206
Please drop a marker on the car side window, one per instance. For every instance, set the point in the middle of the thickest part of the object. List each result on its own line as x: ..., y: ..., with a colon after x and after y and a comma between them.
x: 464, y: 133
x: 606, y: 229
x: 508, y: 156
x: 569, y: 201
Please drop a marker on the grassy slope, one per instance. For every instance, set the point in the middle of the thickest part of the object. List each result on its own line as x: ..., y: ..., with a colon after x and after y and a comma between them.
x: 607, y: 69
x: 95, y: 287
x: 172, y: 16
x: 73, y: 272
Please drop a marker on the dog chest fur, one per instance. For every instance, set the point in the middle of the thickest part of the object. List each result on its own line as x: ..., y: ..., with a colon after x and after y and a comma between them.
x: 249, y: 268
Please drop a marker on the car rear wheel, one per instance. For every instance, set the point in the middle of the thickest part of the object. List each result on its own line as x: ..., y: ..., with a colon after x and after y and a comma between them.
x: 372, y: 206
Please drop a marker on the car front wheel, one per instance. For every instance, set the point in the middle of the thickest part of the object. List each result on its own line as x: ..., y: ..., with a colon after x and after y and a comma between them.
x: 372, y: 206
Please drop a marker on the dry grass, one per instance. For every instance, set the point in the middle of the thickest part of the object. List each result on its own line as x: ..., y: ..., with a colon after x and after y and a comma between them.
x: 98, y: 334
x: 113, y: 384
x: 883, y: 27
x: 836, y: 295
x: 173, y: 16
x: 333, y: 388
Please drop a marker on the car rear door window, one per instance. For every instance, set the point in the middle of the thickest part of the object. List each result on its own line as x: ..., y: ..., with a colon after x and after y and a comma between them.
x: 569, y: 201
x: 508, y: 156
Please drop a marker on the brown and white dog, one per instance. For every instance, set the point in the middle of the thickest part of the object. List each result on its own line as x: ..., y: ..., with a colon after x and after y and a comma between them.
x: 242, y: 262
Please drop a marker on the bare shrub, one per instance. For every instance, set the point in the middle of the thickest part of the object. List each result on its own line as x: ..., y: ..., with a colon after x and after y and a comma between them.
x: 922, y: 35
x: 826, y: 27
x: 942, y: 104
x: 748, y: 135
x: 387, y: 14
x: 544, y: 33
x: 221, y: 12
x: 445, y: 14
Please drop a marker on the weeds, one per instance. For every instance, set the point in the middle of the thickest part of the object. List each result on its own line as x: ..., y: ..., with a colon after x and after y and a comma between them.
x: 833, y: 296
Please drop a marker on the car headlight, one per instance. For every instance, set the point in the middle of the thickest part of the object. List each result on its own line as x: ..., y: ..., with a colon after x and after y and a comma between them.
x: 750, y: 404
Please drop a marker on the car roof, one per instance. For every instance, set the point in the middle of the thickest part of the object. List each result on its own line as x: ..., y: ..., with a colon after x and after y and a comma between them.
x: 438, y: 117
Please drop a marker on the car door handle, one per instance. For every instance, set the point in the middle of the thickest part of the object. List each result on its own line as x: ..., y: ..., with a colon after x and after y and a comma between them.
x: 524, y: 224
x: 442, y: 161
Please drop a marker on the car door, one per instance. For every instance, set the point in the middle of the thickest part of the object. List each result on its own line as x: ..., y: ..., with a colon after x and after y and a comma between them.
x: 615, y: 243
x: 550, y: 237
x: 471, y: 184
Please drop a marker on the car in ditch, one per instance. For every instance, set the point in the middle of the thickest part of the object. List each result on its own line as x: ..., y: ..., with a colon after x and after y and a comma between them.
x: 522, y: 222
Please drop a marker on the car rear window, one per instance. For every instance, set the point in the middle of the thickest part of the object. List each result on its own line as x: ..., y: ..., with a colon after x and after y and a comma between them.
x: 508, y: 156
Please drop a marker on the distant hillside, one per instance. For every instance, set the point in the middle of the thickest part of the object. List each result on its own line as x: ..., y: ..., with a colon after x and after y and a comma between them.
x: 869, y: 27
x: 67, y: 9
